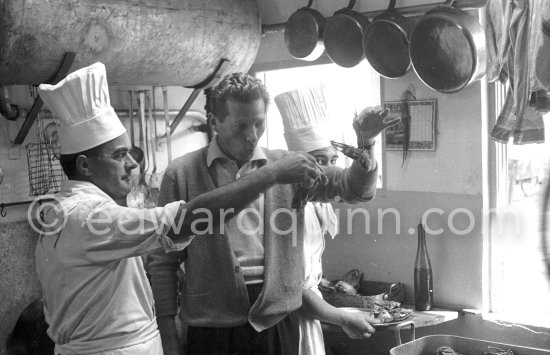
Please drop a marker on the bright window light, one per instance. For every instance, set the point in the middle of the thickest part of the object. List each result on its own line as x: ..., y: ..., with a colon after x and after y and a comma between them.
x: 347, y: 91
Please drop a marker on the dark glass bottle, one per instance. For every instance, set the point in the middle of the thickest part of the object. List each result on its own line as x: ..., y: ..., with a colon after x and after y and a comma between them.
x: 423, y: 279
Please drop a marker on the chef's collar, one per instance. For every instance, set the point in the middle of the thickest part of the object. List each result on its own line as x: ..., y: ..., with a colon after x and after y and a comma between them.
x: 215, y: 152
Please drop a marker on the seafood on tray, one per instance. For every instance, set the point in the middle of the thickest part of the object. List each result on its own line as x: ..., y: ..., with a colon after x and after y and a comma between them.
x: 344, y: 293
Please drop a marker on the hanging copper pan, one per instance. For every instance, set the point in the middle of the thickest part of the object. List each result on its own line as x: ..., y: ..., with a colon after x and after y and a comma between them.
x: 304, y: 33
x: 447, y: 48
x: 344, y: 36
x: 386, y: 43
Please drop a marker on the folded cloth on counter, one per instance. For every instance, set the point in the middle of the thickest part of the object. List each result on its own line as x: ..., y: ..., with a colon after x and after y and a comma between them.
x: 513, y: 45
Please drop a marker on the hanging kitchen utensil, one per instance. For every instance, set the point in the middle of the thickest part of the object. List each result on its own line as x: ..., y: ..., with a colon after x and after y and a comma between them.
x: 304, y: 33
x: 386, y: 43
x: 142, y: 134
x: 151, y: 130
x: 4, y: 187
x: 136, y: 152
x: 51, y: 137
x: 152, y: 184
x: 131, y: 116
x: 343, y: 36
x: 136, y: 198
x: 167, y: 123
x: 447, y: 49
x: 42, y: 177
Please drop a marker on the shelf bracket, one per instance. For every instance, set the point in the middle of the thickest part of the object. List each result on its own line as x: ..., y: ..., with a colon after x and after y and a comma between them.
x: 63, y: 70
x: 196, y: 90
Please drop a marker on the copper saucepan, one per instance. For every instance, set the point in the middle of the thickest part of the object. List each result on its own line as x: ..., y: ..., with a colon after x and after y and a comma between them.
x: 343, y: 36
x: 304, y: 33
x: 386, y: 43
x: 447, y: 48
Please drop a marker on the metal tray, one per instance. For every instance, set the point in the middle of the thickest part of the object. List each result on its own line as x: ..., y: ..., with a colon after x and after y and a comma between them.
x: 428, y: 345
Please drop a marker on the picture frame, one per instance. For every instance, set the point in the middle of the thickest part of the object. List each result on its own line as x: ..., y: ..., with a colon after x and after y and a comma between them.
x: 422, y: 125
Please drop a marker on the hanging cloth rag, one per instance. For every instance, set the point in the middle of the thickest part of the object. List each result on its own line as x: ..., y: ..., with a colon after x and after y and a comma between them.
x: 542, y: 66
x: 516, y: 51
x: 408, y: 95
x: 528, y: 129
x: 498, y: 14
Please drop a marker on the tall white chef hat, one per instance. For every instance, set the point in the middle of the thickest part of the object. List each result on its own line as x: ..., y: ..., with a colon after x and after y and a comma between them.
x: 305, y: 119
x: 82, y: 106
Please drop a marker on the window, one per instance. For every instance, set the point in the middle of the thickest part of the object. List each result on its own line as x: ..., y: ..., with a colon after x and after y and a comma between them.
x: 519, y: 282
x: 347, y: 91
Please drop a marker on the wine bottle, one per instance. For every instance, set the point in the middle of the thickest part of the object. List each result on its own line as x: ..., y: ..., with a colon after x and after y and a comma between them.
x: 423, y: 278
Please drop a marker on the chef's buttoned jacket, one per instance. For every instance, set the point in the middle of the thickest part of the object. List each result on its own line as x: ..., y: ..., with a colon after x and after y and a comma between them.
x: 97, y: 297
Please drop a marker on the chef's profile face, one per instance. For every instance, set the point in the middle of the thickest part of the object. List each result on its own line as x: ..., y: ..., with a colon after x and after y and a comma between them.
x: 241, y: 129
x: 111, y: 167
x: 325, y: 156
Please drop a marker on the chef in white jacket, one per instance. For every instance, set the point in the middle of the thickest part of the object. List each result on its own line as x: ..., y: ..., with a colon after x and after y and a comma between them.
x: 97, y: 298
x: 306, y: 128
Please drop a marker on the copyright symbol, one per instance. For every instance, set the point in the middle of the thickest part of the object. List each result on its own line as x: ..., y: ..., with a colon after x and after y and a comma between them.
x: 37, y: 209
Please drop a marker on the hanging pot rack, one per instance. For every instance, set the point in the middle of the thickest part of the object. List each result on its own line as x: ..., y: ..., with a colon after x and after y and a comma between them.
x: 405, y: 10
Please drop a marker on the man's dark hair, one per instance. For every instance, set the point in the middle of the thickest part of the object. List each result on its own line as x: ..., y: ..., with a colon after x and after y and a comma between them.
x: 68, y: 161
x: 240, y: 87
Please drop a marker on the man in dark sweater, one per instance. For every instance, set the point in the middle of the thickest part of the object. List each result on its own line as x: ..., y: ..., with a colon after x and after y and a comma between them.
x: 242, y: 278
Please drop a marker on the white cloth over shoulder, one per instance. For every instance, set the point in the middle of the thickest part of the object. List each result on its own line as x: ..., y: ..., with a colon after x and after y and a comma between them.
x: 320, y: 219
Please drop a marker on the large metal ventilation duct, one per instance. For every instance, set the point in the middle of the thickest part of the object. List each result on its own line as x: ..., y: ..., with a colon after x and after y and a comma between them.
x: 141, y: 42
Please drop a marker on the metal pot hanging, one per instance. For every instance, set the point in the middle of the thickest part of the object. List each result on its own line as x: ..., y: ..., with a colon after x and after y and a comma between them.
x: 304, y: 33
x: 343, y: 36
x: 386, y: 43
x: 447, y: 49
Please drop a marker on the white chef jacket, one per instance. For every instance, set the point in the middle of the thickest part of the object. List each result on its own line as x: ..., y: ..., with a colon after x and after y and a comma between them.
x: 319, y: 219
x: 97, y: 298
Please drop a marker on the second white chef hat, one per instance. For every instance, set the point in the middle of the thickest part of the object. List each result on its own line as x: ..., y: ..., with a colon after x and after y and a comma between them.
x: 305, y: 118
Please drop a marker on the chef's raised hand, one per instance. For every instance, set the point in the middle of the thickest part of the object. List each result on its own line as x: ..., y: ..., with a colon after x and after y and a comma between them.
x: 297, y: 167
x: 357, y: 325
x: 371, y: 122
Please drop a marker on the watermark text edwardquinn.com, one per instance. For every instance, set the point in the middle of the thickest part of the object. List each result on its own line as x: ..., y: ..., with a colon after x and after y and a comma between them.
x: 133, y: 221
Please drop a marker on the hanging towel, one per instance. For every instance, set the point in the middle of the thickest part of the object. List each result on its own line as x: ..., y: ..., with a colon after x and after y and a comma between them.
x: 530, y: 129
x: 516, y: 60
x: 542, y: 66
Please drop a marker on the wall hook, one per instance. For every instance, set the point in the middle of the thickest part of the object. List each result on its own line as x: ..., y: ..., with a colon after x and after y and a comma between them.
x: 2, y: 212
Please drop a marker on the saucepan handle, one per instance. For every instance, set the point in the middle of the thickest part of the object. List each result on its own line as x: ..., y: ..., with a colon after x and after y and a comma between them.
x: 350, y: 5
x: 400, y: 326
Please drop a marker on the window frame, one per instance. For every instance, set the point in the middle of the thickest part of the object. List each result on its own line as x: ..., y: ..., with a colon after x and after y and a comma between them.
x: 495, y: 198
x: 324, y: 60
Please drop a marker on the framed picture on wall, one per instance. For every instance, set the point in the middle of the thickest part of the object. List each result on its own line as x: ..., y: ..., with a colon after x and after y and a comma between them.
x: 421, y: 127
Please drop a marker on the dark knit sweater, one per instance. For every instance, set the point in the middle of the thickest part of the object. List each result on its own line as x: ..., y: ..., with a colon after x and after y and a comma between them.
x: 214, y: 292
